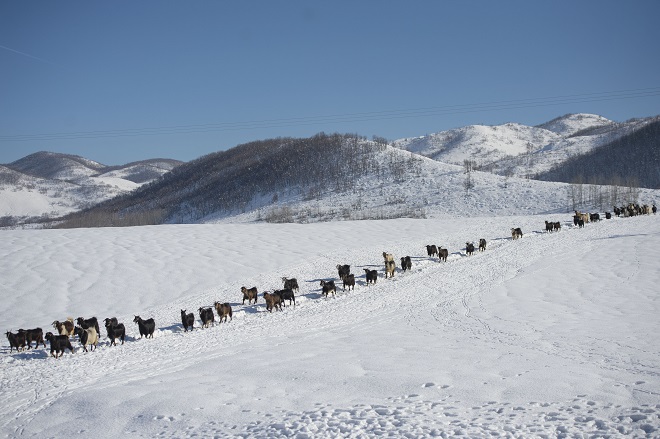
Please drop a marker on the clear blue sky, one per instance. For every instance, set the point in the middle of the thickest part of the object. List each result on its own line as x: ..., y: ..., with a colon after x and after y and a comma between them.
x: 119, y: 81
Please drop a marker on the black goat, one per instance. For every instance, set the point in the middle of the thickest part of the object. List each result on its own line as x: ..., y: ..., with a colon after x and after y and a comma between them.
x: 343, y: 270
x: 432, y: 250
x: 549, y: 227
x: 443, y: 253
x: 58, y: 344
x: 115, y: 331
x: 349, y: 281
x: 146, y: 327
x: 371, y: 275
x: 469, y: 248
x: 16, y: 341
x: 286, y: 294
x: 206, y: 316
x: 291, y: 284
x: 406, y: 263
x: 482, y: 245
x: 110, y: 321
x: 328, y: 287
x: 36, y: 335
x: 187, y: 320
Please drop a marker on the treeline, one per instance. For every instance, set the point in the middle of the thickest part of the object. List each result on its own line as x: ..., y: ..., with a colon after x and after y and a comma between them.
x: 587, y: 197
x: 247, y: 177
x: 632, y: 161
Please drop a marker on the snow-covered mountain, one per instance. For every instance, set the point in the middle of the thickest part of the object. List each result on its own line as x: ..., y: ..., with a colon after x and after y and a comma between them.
x: 47, y: 184
x: 336, y: 177
x: 518, y: 150
x: 55, y: 166
x: 570, y: 124
x: 328, y: 177
x: 483, y: 143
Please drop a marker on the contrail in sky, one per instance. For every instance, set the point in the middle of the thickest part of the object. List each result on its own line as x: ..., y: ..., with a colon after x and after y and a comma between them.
x: 26, y: 54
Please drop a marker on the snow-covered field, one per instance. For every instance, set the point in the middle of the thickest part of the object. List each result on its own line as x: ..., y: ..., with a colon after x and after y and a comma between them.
x: 552, y: 335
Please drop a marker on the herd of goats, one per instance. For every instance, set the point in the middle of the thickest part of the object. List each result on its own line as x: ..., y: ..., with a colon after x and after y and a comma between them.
x: 88, y: 332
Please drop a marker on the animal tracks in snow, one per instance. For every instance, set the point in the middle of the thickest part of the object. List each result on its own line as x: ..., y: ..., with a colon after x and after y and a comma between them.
x: 441, y: 416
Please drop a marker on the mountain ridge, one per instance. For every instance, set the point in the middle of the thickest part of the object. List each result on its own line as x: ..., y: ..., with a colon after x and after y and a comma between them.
x: 49, y: 184
x: 523, y: 151
x: 288, y: 179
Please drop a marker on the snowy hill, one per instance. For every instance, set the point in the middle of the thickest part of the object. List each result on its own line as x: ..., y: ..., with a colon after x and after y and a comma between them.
x: 518, y: 150
x: 55, y: 166
x: 478, y: 142
x: 333, y: 177
x: 336, y: 177
x: 323, y: 178
x: 47, y: 184
x: 141, y: 172
x: 570, y: 124
x: 630, y: 159
x: 545, y: 336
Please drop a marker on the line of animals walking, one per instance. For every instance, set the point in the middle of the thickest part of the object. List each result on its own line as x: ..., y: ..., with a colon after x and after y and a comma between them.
x: 88, y: 332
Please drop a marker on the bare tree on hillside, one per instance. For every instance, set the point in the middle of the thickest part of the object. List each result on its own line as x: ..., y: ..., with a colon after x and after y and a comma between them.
x: 468, y: 183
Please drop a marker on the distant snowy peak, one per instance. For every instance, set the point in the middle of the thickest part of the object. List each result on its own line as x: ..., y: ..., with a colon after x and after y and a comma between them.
x: 520, y: 150
x: 52, y: 184
x: 143, y: 171
x: 56, y: 166
x: 487, y: 143
x: 570, y: 124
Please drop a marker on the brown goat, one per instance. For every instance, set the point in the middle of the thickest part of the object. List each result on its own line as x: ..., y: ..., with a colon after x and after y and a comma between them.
x: 273, y: 301
x: 583, y: 216
x: 249, y: 294
x: 223, y: 310
x: 390, y: 267
x: 65, y: 328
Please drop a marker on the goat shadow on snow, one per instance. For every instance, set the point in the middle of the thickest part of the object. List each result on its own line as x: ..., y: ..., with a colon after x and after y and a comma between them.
x: 32, y: 354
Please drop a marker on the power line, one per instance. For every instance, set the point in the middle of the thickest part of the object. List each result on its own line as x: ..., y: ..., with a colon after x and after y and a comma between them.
x: 348, y: 117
